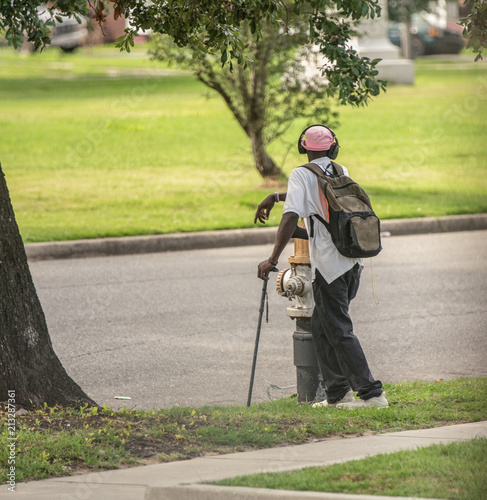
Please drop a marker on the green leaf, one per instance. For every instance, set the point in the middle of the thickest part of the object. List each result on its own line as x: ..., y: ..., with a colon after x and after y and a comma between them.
x: 224, y: 57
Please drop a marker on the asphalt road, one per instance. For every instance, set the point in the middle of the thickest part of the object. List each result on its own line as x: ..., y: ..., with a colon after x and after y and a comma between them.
x: 179, y: 328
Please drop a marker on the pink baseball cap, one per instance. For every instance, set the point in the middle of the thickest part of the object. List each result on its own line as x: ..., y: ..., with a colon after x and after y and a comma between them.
x: 318, y: 138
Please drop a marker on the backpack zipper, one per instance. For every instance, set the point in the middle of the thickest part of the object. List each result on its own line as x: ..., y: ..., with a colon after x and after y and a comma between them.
x: 345, y: 186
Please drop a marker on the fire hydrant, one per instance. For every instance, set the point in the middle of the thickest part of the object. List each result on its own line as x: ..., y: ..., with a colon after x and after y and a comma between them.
x: 295, y: 283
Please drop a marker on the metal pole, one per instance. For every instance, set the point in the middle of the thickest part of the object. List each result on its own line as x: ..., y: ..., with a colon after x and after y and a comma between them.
x: 406, y: 39
x: 257, y: 337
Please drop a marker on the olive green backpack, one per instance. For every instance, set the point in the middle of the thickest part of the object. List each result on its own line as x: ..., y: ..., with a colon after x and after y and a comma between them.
x: 351, y: 221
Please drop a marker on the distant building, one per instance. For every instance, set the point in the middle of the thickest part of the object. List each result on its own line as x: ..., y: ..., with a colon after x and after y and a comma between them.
x: 109, y: 32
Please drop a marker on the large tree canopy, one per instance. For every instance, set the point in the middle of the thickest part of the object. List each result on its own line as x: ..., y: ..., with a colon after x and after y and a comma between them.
x: 216, y: 27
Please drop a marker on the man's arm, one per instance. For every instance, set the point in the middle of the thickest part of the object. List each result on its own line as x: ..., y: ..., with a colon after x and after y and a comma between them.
x: 266, y: 205
x: 284, y: 234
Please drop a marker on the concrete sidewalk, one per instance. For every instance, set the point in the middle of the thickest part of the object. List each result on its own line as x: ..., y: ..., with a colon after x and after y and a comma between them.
x: 182, y: 480
x: 229, y: 238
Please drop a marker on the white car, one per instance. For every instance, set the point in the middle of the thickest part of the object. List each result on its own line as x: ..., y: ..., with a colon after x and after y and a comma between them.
x: 68, y: 34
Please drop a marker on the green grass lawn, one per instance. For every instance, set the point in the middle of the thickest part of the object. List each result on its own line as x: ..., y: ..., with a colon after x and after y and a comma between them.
x: 99, y: 143
x: 63, y: 441
x: 455, y: 470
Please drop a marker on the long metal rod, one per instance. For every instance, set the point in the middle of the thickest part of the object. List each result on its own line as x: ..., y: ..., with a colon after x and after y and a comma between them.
x: 257, y: 338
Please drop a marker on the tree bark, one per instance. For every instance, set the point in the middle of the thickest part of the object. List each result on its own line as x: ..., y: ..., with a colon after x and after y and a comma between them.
x: 29, y: 367
x: 248, y: 107
x: 256, y: 105
x: 263, y: 162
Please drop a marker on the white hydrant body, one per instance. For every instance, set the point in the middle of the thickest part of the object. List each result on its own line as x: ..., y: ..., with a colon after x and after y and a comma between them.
x: 296, y: 283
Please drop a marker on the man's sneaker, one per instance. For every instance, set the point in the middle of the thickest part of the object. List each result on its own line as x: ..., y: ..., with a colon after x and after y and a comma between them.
x: 378, y: 402
x: 348, y: 398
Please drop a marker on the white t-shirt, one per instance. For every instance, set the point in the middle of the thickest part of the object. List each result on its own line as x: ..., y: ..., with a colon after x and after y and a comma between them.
x: 303, y: 198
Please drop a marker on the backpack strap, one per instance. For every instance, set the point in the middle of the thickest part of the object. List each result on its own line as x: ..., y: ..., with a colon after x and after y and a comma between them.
x: 312, y: 224
x: 338, y: 168
x: 314, y: 168
x: 319, y: 172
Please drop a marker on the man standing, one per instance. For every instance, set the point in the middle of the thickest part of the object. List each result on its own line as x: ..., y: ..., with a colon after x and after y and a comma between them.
x: 341, y: 360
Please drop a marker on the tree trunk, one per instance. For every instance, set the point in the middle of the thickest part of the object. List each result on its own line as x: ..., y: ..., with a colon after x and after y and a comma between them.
x: 263, y: 162
x: 30, y: 371
x: 257, y: 114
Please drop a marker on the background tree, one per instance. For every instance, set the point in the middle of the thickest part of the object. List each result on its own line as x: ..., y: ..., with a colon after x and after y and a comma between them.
x: 475, y: 26
x: 268, y: 96
x: 216, y: 27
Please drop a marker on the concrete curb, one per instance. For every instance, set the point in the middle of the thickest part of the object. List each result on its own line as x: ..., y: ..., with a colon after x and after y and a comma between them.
x: 400, y: 227
x: 209, y: 492
x: 228, y: 238
x: 149, y: 244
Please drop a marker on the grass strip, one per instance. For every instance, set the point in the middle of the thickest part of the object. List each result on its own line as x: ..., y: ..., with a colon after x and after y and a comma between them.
x: 98, y: 144
x: 64, y: 441
x: 455, y: 470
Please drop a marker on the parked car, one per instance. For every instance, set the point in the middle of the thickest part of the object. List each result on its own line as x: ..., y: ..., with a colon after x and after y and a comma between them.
x: 427, y: 38
x: 68, y: 34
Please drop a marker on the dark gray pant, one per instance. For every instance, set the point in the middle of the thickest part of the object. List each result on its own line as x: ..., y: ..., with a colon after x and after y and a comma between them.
x: 341, y: 358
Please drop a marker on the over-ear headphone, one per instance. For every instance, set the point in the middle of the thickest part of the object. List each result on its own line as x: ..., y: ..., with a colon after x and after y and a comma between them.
x: 334, y: 148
